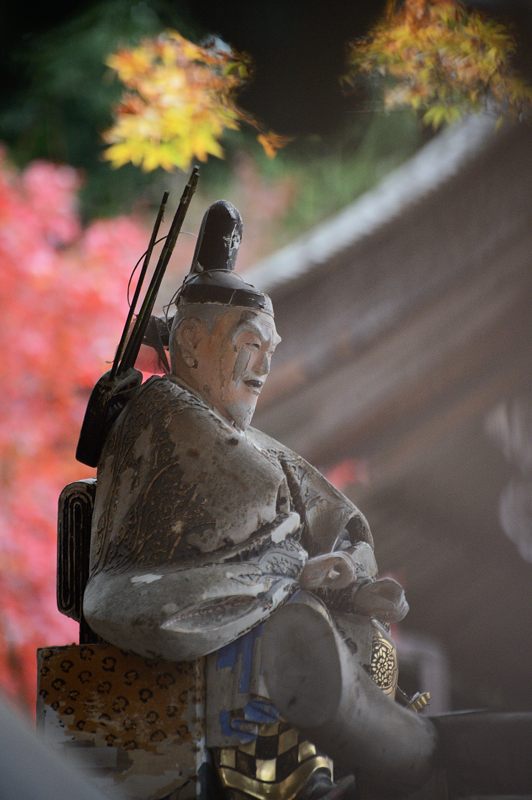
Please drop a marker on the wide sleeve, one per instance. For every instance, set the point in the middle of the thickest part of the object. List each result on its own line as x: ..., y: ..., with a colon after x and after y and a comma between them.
x: 194, y: 539
x: 327, y: 515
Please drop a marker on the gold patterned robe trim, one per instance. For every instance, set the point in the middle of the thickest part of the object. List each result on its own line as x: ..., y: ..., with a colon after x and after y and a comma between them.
x: 275, y: 766
x: 282, y: 790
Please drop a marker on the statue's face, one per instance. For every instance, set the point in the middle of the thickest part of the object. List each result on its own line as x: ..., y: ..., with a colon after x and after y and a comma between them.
x: 233, y: 362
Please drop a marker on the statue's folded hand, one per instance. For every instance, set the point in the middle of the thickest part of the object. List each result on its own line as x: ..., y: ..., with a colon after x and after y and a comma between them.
x: 339, y: 569
x: 349, y: 578
x: 384, y: 599
x: 329, y: 571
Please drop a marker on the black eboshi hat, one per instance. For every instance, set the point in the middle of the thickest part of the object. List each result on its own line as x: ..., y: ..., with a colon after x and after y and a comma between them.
x: 212, y: 278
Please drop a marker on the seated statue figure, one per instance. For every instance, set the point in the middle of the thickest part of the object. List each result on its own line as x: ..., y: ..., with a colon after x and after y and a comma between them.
x: 204, y: 526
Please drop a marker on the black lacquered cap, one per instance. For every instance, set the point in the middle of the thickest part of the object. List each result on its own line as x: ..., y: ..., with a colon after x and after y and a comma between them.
x: 212, y: 278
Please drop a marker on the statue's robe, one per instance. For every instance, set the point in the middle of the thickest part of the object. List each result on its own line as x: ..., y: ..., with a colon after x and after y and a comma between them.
x: 200, y: 532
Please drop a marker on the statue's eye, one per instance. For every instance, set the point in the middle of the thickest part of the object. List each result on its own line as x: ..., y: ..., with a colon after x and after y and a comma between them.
x: 254, y: 344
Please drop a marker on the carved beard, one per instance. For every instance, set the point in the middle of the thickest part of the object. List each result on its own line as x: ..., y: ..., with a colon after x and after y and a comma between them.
x: 241, y: 414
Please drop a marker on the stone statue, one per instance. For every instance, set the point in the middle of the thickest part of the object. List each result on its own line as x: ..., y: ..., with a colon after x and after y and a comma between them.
x: 204, y: 526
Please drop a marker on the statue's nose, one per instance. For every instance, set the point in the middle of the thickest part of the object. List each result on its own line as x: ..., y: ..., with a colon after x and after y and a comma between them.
x: 262, y: 367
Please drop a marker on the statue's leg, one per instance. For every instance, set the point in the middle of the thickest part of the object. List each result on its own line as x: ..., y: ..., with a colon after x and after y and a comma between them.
x: 319, y: 682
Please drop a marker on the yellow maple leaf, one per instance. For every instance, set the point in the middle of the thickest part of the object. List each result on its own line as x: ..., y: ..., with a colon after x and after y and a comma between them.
x: 272, y: 142
x: 179, y: 99
x: 442, y: 59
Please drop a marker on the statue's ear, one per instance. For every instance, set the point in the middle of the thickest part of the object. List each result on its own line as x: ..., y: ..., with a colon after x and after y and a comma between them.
x: 189, y: 334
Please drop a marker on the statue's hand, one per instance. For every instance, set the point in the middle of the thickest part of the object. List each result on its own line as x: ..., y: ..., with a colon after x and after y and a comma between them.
x: 351, y: 577
x: 339, y: 569
x: 330, y: 571
x: 384, y: 599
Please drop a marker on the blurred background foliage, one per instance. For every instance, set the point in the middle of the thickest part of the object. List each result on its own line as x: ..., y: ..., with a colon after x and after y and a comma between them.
x: 62, y: 100
x: 62, y: 96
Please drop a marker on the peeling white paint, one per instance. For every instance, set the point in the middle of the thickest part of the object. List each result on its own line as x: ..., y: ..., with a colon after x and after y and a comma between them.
x: 148, y: 578
x: 289, y: 525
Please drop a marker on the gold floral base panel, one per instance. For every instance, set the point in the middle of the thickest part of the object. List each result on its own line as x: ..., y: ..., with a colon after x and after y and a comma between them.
x: 383, y: 667
x: 137, y: 723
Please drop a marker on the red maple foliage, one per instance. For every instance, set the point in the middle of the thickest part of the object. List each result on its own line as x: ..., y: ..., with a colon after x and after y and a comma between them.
x: 63, y: 295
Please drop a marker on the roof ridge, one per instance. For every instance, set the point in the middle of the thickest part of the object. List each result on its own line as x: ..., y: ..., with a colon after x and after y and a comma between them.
x: 431, y: 166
